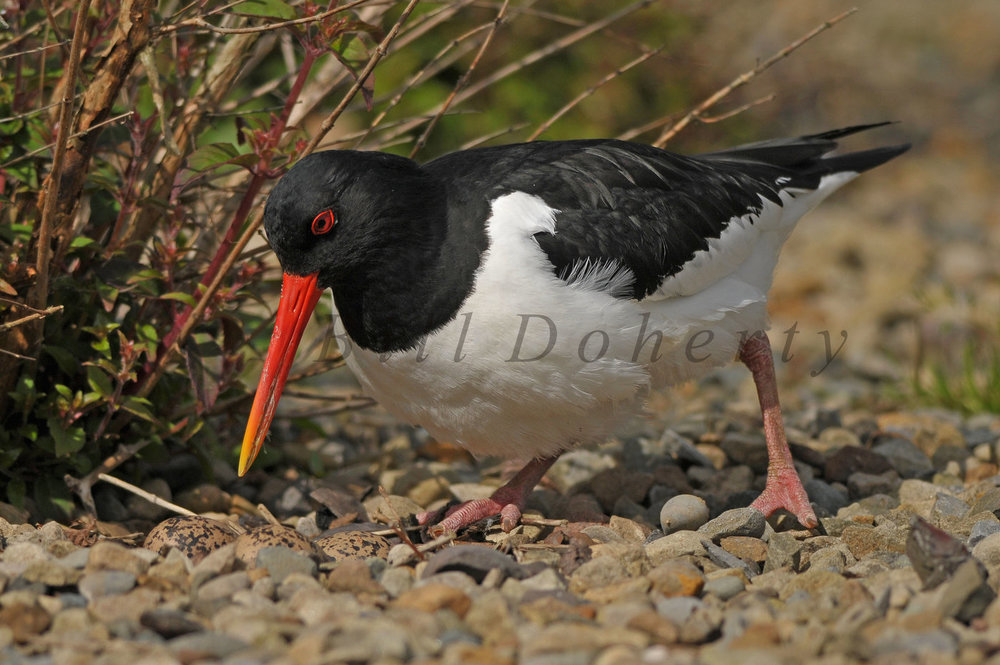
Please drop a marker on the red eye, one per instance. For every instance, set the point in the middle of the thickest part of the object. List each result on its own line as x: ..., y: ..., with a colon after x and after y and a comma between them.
x: 323, y: 223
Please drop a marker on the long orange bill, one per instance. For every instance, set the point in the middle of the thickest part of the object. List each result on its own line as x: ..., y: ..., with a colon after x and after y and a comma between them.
x: 299, y: 295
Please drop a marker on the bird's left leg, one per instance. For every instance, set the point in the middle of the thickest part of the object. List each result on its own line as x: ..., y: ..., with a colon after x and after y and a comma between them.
x: 507, y: 501
x: 784, y: 487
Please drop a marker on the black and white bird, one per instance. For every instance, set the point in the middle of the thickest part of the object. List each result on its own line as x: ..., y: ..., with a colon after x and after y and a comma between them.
x: 522, y: 299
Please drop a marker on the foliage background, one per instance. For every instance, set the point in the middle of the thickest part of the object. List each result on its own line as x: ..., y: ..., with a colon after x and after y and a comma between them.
x: 904, y: 260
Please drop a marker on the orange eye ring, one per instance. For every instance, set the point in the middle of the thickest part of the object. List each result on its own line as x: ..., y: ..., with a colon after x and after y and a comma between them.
x: 323, y: 223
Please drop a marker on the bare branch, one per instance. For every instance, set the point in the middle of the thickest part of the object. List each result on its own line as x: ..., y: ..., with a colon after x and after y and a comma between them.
x: 380, y: 52
x: 462, y: 81
x: 41, y: 314
x: 148, y: 496
x: 745, y: 78
x: 200, y: 22
x: 39, y: 294
x: 591, y: 90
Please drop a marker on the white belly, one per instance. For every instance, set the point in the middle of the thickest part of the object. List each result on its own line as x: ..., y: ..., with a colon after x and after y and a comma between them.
x: 533, y: 364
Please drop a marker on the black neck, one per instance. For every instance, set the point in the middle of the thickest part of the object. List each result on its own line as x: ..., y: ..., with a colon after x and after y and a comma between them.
x: 415, y: 285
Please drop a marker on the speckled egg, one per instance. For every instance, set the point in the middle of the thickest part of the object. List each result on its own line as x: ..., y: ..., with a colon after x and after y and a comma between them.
x: 269, y: 535
x: 353, y: 545
x: 195, y: 536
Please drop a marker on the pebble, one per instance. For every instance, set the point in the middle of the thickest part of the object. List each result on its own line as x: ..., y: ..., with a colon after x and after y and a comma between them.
x: 736, y: 522
x: 865, y: 587
x: 684, y: 512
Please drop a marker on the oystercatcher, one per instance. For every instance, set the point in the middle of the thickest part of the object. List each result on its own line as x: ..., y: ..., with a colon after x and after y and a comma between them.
x: 521, y: 299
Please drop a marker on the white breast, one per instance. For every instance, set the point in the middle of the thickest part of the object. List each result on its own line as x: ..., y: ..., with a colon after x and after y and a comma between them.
x: 533, y: 364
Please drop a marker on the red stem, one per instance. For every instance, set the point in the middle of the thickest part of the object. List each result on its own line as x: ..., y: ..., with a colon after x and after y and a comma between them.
x: 261, y: 172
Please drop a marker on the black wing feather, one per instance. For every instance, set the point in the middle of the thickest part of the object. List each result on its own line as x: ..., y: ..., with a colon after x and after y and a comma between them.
x: 646, y: 208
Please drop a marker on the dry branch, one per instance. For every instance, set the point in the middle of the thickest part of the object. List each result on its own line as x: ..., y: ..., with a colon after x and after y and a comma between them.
x: 745, y: 78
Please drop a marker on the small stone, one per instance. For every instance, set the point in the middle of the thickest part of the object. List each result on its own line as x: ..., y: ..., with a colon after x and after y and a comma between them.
x: 280, y: 562
x: 981, y: 530
x: 746, y: 548
x: 433, y: 597
x: 736, y: 522
x: 967, y: 594
x: 724, y: 587
x: 748, y: 449
x: 863, y: 541
x: 473, y: 560
x: 108, y: 555
x: 51, y: 574
x: 202, y: 646
x: 783, y: 551
x: 948, y: 506
x: 678, y: 544
x: 827, y: 498
x: 829, y: 558
x: 861, y: 484
x: 934, y: 553
x: 676, y: 578
x: 169, y: 623
x: 224, y: 586
x: 398, y: 507
x: 490, y: 618
x: 907, y: 459
x: 842, y: 463
x: 599, y: 572
x: 659, y: 628
x: 987, y: 502
x: 24, y: 620
x: 987, y: 550
x: 684, y: 512
x: 355, y: 577
x: 105, y: 583
x: 397, y: 580
x: 629, y: 530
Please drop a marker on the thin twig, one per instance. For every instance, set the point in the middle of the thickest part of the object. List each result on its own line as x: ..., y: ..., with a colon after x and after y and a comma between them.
x: 745, y: 78
x: 39, y: 295
x: 590, y: 91
x: 537, y: 55
x: 148, y: 496
x: 462, y: 81
x: 380, y: 52
x: 30, y: 317
x: 267, y: 514
x: 200, y: 22
x: 72, y: 136
x: 37, y: 49
x: 709, y: 119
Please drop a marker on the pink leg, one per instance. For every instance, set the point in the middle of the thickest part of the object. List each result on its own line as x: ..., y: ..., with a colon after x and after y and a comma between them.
x: 507, y: 501
x: 784, y: 487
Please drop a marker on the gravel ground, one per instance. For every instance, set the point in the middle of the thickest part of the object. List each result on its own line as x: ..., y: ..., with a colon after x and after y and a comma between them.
x: 637, y: 551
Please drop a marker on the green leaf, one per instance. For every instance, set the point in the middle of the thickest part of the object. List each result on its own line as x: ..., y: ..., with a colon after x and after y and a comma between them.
x: 65, y: 391
x: 68, y: 363
x: 98, y: 381
x: 180, y: 296
x: 270, y: 8
x: 139, y: 406
x: 215, y: 155
x: 81, y: 241
x: 67, y: 440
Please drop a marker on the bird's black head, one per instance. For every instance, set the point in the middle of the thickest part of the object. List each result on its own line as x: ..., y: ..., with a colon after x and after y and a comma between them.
x: 341, y: 213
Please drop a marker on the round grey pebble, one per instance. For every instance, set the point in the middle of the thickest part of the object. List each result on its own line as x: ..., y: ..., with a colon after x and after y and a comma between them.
x: 684, y: 512
x: 724, y: 587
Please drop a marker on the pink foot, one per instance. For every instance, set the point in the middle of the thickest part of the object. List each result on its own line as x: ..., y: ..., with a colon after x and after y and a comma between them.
x: 784, y: 487
x: 784, y: 490
x: 508, y: 501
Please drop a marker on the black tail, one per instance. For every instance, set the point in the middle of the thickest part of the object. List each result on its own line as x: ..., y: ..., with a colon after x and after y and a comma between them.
x: 806, y: 153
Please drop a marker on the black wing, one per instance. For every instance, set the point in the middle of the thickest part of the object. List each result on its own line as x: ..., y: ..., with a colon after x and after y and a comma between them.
x: 645, y: 208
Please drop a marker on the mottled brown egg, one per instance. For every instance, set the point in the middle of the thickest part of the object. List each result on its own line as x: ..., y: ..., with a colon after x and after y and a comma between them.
x: 195, y: 536
x: 353, y: 545
x: 269, y: 535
